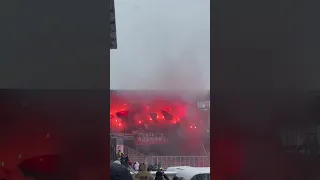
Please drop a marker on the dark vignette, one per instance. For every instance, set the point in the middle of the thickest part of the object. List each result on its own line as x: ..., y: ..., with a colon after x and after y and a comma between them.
x: 264, y: 78
x: 70, y: 123
x: 55, y: 45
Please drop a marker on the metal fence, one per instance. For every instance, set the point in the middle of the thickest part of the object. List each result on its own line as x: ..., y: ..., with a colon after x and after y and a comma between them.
x: 113, y: 150
x: 134, y: 155
x: 168, y: 161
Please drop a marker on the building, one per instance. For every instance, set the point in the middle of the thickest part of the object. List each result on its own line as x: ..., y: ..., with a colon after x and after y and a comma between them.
x: 113, y: 34
x: 159, y: 108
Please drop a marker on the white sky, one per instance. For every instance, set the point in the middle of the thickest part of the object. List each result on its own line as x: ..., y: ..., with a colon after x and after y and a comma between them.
x: 162, y: 44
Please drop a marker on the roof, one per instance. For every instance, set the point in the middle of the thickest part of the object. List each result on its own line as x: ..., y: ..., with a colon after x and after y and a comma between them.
x: 185, y: 94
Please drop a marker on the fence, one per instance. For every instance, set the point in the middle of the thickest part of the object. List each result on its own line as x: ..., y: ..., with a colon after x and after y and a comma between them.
x: 134, y: 155
x: 113, y: 150
x: 168, y: 161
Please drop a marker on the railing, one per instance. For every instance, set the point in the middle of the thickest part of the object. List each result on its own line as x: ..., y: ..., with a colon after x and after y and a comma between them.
x: 204, y: 149
x: 134, y: 155
x: 168, y: 161
x: 113, y: 150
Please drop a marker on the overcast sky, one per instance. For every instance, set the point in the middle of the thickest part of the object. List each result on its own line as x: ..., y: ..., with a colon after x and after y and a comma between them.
x: 162, y: 44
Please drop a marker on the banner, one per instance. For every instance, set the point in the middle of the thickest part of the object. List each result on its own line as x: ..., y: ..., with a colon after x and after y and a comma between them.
x: 150, y: 139
x: 120, y: 147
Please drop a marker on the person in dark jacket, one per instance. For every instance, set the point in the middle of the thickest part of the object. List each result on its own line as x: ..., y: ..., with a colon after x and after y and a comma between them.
x: 119, y: 172
x: 175, y: 178
x: 165, y: 176
x: 126, y: 160
x: 150, y: 167
x: 122, y: 159
x: 161, y: 176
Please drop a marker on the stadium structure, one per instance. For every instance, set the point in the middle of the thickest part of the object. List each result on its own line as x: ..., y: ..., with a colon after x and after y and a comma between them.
x: 170, y: 128
x: 113, y: 32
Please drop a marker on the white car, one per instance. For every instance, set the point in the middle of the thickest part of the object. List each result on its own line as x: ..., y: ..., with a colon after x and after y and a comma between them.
x: 191, y: 173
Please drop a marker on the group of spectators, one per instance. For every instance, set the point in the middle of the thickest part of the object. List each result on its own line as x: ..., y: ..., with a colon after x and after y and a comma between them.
x: 123, y: 164
x: 123, y: 159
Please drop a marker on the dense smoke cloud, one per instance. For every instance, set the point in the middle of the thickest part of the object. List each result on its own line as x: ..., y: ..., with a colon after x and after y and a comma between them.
x: 162, y: 50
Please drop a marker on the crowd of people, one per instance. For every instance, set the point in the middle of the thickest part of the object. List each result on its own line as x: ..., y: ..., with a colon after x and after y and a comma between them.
x: 142, y: 169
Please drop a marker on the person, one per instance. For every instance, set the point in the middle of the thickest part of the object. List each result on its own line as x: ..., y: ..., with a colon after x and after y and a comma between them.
x: 122, y: 159
x: 161, y: 176
x: 126, y: 160
x: 119, y: 154
x: 150, y: 167
x: 136, y: 166
x: 119, y: 172
x: 165, y: 176
x: 143, y: 174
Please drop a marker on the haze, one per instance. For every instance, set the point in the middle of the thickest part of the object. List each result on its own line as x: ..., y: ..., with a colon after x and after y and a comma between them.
x: 162, y: 44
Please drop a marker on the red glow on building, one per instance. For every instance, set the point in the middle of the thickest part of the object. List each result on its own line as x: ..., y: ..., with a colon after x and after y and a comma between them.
x: 193, y: 127
x: 150, y: 108
x: 122, y: 114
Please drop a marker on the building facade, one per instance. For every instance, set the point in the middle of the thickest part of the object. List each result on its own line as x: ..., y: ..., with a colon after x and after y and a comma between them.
x: 113, y: 32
